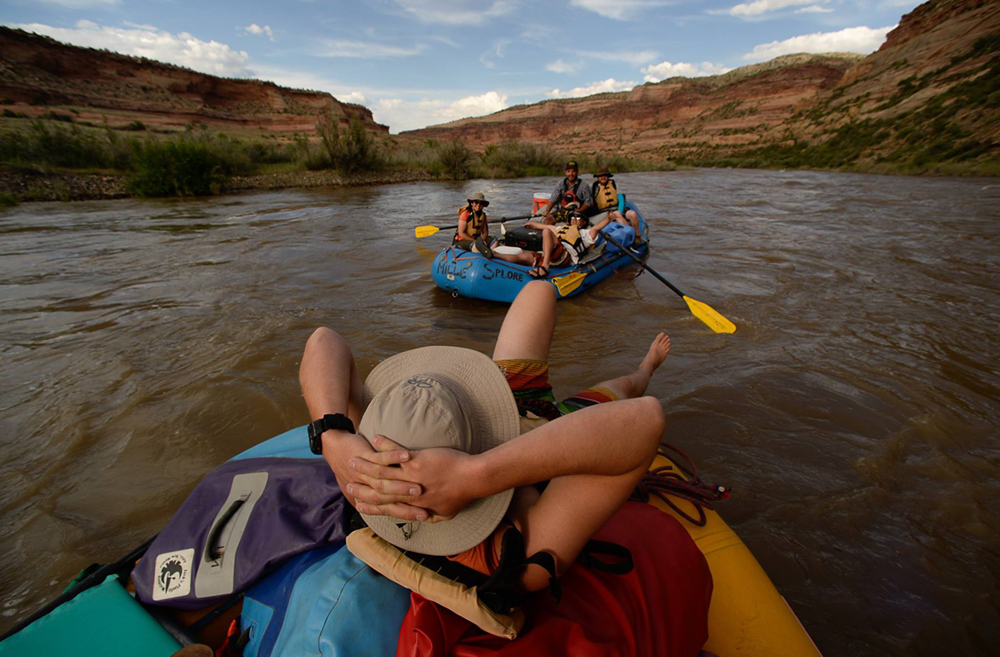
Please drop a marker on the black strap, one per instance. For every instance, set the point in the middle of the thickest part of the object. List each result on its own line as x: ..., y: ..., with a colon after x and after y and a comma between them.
x: 548, y: 562
x: 621, y: 565
x: 499, y: 591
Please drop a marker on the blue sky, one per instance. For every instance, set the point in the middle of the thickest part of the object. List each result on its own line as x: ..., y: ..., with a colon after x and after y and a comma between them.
x: 420, y: 62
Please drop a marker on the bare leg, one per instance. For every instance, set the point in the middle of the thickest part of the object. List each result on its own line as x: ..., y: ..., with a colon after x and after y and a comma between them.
x: 633, y: 221
x: 331, y: 384
x: 634, y: 384
x: 329, y: 378
x: 522, y: 258
x: 530, y: 322
x: 548, y: 244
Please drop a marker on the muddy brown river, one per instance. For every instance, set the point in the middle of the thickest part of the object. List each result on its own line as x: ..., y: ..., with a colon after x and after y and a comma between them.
x: 854, y: 413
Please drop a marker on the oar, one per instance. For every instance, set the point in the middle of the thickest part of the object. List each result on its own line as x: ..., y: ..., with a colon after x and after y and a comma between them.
x: 427, y: 231
x: 702, y: 311
x: 568, y: 283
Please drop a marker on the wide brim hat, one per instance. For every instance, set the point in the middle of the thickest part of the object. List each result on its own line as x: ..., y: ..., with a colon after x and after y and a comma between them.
x: 488, y: 405
x: 478, y: 196
x: 604, y: 172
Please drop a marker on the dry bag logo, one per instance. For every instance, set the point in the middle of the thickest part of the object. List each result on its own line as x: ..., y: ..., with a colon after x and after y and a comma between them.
x: 173, y: 574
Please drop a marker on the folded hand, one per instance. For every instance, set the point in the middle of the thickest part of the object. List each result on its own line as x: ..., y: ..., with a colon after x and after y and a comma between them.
x: 437, y: 480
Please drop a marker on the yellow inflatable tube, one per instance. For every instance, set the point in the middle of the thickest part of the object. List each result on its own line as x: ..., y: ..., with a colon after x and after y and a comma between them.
x: 748, y: 617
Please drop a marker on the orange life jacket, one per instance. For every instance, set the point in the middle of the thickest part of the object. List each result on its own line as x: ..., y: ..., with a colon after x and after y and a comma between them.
x: 474, y: 220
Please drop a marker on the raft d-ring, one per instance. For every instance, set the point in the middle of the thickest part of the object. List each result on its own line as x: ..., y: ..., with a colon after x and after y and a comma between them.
x: 454, y: 295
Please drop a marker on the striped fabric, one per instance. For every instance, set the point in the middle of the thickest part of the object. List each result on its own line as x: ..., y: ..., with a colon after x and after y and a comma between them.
x: 529, y: 381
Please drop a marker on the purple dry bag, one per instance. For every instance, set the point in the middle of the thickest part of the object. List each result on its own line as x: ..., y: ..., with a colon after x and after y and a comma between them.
x: 243, y: 520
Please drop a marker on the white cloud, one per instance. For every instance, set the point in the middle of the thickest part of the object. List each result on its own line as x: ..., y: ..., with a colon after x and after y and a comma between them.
x: 402, y: 115
x: 619, y: 9
x: 496, y: 52
x: 181, y: 49
x: 603, y: 86
x: 862, y: 40
x: 758, y: 7
x: 365, y: 50
x: 539, y: 32
x: 457, y: 12
x: 635, y: 57
x: 814, y: 9
x: 559, y: 66
x: 80, y: 4
x: 302, y: 80
x: 665, y: 70
x: 257, y: 30
x: 355, y: 97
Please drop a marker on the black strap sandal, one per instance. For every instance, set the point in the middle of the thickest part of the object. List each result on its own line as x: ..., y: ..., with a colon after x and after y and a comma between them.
x: 539, y: 272
x: 484, y: 248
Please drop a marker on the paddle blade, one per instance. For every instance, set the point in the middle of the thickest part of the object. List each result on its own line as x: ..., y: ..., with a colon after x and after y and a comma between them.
x: 568, y: 284
x: 426, y: 231
x: 710, y: 316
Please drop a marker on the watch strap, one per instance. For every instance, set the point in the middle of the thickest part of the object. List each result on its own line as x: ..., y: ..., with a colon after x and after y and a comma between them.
x: 337, y: 421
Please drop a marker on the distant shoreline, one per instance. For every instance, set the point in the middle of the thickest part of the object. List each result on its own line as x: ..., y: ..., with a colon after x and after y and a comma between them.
x: 28, y: 187
x: 38, y: 187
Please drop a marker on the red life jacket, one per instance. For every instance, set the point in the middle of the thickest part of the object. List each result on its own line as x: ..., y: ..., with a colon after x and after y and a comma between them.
x: 570, y: 194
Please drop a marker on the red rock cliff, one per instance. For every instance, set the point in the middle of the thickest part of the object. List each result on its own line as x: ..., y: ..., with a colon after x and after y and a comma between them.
x: 38, y: 73
x: 937, y: 47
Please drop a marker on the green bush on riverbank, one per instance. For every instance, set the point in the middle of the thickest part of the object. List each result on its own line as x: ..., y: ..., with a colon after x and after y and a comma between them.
x: 175, y: 168
x: 48, y: 143
x: 199, y: 162
x: 193, y: 163
x: 512, y: 159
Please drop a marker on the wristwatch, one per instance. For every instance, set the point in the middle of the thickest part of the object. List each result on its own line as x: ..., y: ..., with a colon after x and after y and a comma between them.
x: 337, y: 421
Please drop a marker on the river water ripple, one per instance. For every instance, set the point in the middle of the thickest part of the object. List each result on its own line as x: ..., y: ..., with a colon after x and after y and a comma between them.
x: 854, y: 413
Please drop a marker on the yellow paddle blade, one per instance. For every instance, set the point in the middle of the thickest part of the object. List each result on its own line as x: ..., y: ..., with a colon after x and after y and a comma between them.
x: 567, y: 284
x: 710, y: 316
x: 426, y: 231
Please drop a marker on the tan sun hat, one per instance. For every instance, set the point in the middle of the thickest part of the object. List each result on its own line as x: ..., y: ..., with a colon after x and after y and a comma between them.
x: 441, y: 397
x: 478, y: 196
x: 604, y: 172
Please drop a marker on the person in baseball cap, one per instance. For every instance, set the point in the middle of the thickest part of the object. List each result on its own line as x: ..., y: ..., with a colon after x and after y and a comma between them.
x: 569, y: 196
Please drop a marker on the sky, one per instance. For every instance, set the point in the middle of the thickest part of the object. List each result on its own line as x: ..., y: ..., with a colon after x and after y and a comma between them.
x: 416, y: 63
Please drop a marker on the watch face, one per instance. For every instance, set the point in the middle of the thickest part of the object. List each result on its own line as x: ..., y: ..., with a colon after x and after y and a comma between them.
x: 315, y: 438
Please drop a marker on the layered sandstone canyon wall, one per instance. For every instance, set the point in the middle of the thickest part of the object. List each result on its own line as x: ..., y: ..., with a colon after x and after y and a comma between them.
x: 37, y: 73
x: 939, y: 64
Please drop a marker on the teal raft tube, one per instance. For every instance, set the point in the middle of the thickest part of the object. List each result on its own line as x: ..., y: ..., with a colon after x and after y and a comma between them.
x: 472, y: 275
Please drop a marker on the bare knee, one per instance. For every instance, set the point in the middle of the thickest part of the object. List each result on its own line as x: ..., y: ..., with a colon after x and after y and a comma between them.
x: 326, y: 343
x: 536, y: 296
x: 652, y: 409
x: 535, y: 578
x: 539, y: 289
x: 320, y: 337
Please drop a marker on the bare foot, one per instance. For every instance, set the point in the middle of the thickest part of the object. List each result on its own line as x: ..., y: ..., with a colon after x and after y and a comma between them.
x: 658, y: 351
